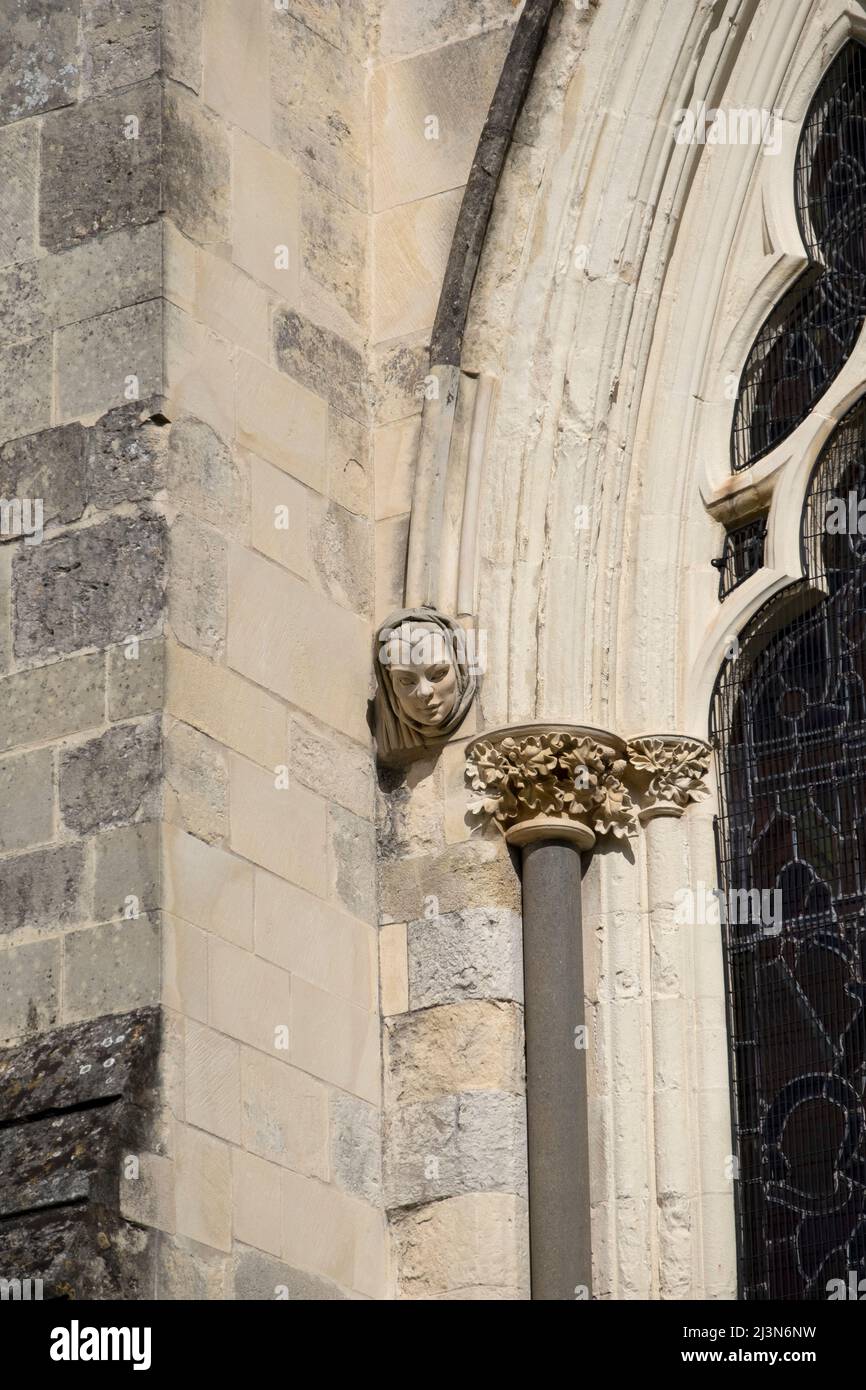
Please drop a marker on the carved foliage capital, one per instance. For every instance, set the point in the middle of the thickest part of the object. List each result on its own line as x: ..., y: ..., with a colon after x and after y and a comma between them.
x: 672, y: 770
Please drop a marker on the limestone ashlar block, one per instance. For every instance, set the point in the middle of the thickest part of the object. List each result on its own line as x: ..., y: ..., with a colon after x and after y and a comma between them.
x: 120, y: 41
x: 356, y: 1147
x: 334, y: 766
x: 136, y: 678
x: 393, y: 969
x: 26, y: 799
x: 208, y: 887
x: 19, y: 178
x: 230, y: 302
x: 29, y: 989
x: 112, y: 779
x: 250, y: 999
x: 334, y: 1235
x: 413, y: 241
x: 227, y: 708
x: 256, y: 1275
x: 315, y: 940
x: 196, y: 168
x: 184, y: 968
x: 48, y: 702
x: 281, y: 421
x: 478, y: 1242
x: 474, y: 1142
x: 205, y: 477
x: 90, y: 588
x: 284, y: 1114
x: 199, y: 373
x: 278, y: 827
x: 350, y: 468
x: 256, y: 1202
x: 434, y: 884
x: 407, y: 28
x: 323, y: 362
x: 235, y: 49
x: 126, y: 871
x: 106, y: 361
x: 475, y: 953
x: 203, y: 1191
x: 111, y: 968
x: 319, y: 116
x: 212, y: 1082
x: 40, y: 58
x: 50, y: 464
x: 197, y: 585
x: 265, y: 215
x: 125, y: 454
x: 352, y: 844
x: 454, y: 1048
x: 181, y: 41
x: 298, y: 644
x: 43, y: 889
x: 101, y: 165
x: 335, y: 254
x: 25, y: 388
x: 196, y: 783
x: 335, y: 1040
x: 428, y: 112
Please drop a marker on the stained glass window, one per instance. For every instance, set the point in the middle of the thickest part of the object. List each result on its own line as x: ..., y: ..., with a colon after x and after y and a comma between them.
x: 789, y: 723
x: 809, y: 336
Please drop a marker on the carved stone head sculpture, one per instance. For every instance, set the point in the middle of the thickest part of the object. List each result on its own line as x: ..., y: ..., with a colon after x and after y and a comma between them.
x: 426, y: 683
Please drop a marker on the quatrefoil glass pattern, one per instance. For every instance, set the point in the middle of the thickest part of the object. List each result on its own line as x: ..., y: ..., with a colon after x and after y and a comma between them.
x: 810, y: 334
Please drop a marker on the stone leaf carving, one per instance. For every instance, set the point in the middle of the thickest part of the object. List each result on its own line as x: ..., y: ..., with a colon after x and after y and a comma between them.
x: 676, y: 767
x: 559, y: 775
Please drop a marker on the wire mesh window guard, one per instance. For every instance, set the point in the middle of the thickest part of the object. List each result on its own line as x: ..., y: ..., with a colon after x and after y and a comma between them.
x: 789, y: 724
x: 742, y: 554
x: 807, y: 339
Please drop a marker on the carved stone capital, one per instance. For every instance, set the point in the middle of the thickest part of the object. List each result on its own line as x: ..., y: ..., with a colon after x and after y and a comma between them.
x: 668, y: 772
x: 552, y: 781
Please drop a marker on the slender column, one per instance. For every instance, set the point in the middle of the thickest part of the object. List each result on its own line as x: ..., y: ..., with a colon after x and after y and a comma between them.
x: 558, y: 1138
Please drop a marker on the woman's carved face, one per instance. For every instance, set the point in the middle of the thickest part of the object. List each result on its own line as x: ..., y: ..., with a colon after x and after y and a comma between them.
x: 423, y: 675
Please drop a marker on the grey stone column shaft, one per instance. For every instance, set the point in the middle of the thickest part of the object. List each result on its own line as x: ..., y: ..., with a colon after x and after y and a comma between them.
x: 558, y: 1139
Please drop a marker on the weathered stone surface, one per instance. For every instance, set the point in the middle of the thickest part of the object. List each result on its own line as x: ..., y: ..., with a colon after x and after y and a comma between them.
x: 83, y: 1096
x: 99, y: 171
x: 101, y: 274
x: 284, y: 1114
x: 212, y: 1082
x: 42, y: 889
x: 126, y: 867
x: 25, y: 388
x: 323, y: 362
x: 112, y: 968
x: 406, y: 28
x: 472, y: 954
x: 341, y: 22
x: 26, y: 799
x: 196, y: 168
x: 260, y: 1277
x: 442, y: 883
x: 181, y: 41
x: 457, y: 1047
x: 29, y: 988
x: 410, y: 808
x: 113, y: 779
x: 343, y: 557
x: 204, y: 478
x: 473, y: 1242
x: 110, y: 359
x: 136, y: 678
x: 39, y: 57
x: 350, y: 470
x: 19, y: 179
x: 22, y: 308
x: 353, y: 849
x: 189, y: 1271
x: 398, y: 372
x: 50, y: 465
x: 473, y: 1142
x: 125, y: 452
x: 319, y: 108
x: 64, y: 698
x: 333, y: 766
x: 120, y: 43
x: 198, y: 576
x: 93, y: 587
x: 356, y: 1147
x: 335, y: 254
x: 196, y: 783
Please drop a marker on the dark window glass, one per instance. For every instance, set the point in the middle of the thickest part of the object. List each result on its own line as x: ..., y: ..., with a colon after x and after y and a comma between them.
x: 742, y: 554
x: 810, y: 335
x: 789, y: 723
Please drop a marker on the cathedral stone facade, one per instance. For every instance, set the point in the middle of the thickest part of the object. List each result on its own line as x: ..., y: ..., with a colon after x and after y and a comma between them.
x: 369, y: 370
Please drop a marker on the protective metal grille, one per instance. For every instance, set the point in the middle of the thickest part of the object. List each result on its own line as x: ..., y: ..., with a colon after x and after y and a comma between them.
x: 742, y: 554
x: 809, y: 336
x: 789, y: 723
